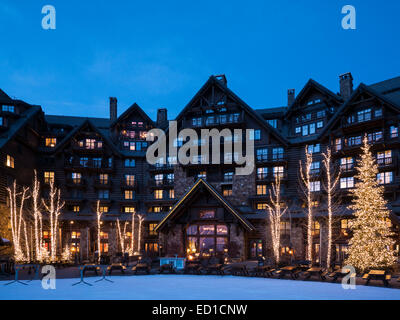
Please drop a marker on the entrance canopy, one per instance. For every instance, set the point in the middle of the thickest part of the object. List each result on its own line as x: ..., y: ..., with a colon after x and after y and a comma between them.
x: 191, y: 194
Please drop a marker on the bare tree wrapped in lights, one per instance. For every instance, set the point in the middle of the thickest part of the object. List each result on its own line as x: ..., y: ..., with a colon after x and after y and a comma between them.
x: 370, y: 246
x: 122, y: 235
x: 305, y: 179
x: 53, y: 206
x: 132, y: 248
x: 17, y: 221
x: 276, y: 210
x: 99, y: 214
x: 37, y: 219
x: 330, y: 186
x: 141, y: 219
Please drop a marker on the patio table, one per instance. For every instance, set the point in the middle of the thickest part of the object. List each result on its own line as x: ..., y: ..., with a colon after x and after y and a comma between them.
x: 315, y: 271
x: 290, y: 270
x: 378, y: 275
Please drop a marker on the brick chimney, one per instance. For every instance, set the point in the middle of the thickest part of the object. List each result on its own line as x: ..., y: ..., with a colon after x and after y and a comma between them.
x: 346, y: 85
x: 290, y: 97
x: 113, y: 109
x: 161, y: 116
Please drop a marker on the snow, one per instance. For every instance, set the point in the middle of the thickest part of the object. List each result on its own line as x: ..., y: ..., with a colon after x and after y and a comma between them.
x: 192, y: 287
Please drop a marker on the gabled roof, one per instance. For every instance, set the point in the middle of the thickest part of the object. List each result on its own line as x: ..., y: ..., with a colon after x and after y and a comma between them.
x: 389, y: 88
x: 133, y: 108
x: 310, y: 85
x: 4, y: 98
x: 214, y: 81
x: 18, y: 124
x: 192, y: 193
x: 87, y: 122
x: 343, y: 109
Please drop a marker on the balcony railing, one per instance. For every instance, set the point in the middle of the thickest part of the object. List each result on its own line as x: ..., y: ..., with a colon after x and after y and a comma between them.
x: 272, y: 158
x: 161, y: 183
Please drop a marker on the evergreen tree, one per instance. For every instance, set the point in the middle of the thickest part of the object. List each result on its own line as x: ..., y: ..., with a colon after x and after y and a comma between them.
x: 371, y: 244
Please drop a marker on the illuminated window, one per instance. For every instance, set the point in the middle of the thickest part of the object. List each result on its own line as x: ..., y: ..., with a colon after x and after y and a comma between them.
x: 364, y: 115
x: 347, y: 182
x: 158, y: 194
x: 384, y: 157
x: 227, y: 191
x: 347, y: 163
x: 394, y: 132
x: 130, y: 179
x: 51, y: 142
x: 207, y: 214
x: 261, y: 206
x: 315, y: 228
x: 129, y: 209
x: 261, y: 189
x: 314, y: 148
x: 152, y: 227
x: 315, y: 166
x: 48, y: 177
x: 10, y: 161
x: 279, y: 171
x: 344, y: 227
x: 103, y: 209
x: 157, y: 209
x: 103, y: 178
x: 315, y: 186
x: 385, y: 177
x: 76, y: 209
x: 76, y: 177
x: 202, y: 175
x: 171, y: 194
x: 228, y: 176
x: 128, y: 195
x: 338, y: 144
x: 314, y: 203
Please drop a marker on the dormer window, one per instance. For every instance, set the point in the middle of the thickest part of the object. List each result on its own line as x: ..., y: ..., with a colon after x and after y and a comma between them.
x: 273, y: 123
x: 7, y: 108
x: 51, y: 142
x: 378, y: 112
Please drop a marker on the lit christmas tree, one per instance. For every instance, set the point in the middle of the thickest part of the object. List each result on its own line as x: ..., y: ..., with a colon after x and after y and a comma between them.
x: 371, y: 244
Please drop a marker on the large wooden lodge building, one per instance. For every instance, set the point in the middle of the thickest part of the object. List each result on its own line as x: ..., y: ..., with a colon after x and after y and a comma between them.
x: 199, y: 208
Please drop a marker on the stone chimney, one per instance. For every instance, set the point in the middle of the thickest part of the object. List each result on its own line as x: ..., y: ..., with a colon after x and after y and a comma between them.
x: 113, y: 109
x: 290, y: 97
x: 161, y: 116
x: 346, y: 85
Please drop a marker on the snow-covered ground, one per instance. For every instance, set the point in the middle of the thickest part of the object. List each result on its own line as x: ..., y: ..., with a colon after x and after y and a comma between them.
x: 187, y: 287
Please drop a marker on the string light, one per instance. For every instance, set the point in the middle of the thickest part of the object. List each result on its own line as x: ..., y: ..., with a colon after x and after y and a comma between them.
x: 141, y: 219
x: 276, y: 211
x: 306, y: 184
x: 53, y: 207
x: 99, y: 214
x: 330, y: 185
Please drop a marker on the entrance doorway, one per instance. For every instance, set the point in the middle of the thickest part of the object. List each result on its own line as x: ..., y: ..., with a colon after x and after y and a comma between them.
x: 256, y: 248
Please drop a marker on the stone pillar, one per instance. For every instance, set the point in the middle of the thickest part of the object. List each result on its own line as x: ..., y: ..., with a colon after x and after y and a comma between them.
x: 84, y: 244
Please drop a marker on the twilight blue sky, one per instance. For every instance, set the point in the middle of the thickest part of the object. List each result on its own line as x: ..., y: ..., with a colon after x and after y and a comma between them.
x: 159, y: 53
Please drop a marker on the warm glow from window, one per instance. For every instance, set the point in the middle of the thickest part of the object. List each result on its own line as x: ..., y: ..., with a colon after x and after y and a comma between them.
x: 10, y: 161
x: 51, y: 142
